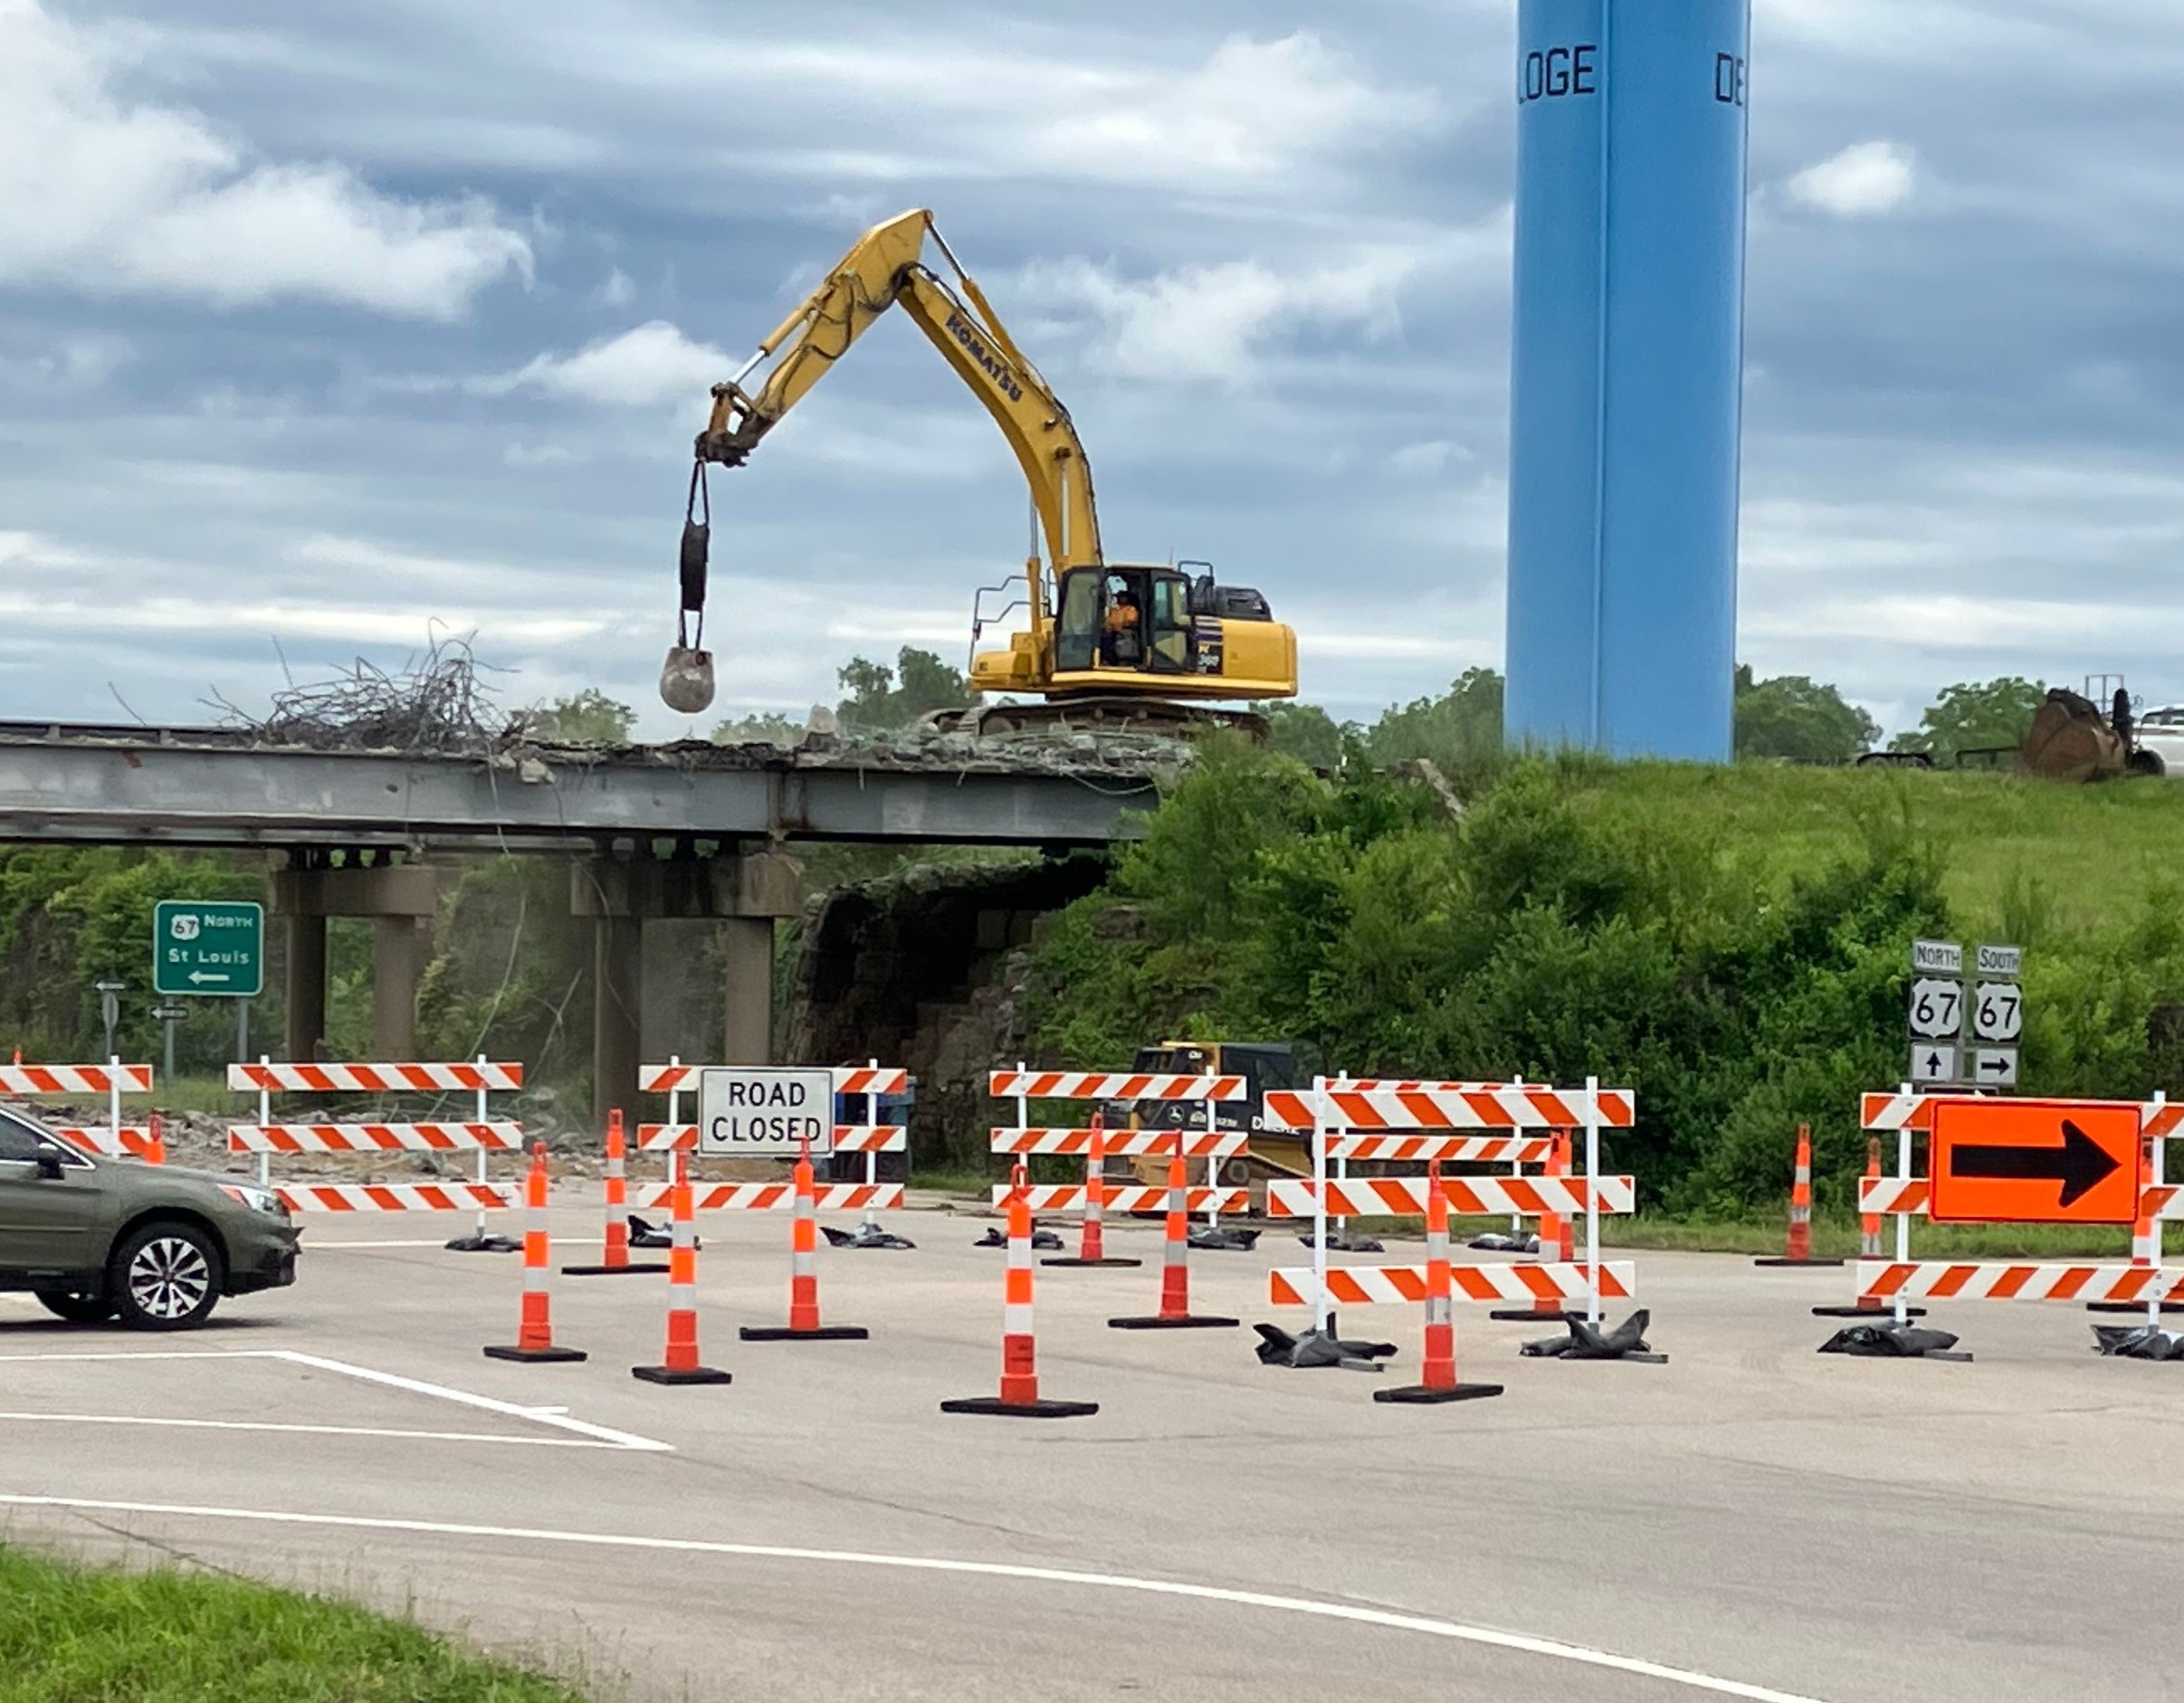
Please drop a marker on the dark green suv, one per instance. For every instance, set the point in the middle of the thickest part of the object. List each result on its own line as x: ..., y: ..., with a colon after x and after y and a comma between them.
x: 153, y: 1245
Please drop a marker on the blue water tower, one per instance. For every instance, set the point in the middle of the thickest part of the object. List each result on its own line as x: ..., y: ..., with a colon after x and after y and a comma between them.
x: 1627, y: 373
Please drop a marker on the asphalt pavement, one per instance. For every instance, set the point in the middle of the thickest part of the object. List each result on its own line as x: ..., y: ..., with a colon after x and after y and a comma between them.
x: 1751, y: 1520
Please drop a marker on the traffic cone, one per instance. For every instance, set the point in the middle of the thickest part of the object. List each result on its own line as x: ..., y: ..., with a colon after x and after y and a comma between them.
x: 617, y: 1263
x: 804, y: 1324
x: 1556, y: 1244
x: 1019, y: 1396
x: 534, y: 1331
x: 155, y: 1149
x: 1870, y: 1246
x: 1175, y: 1312
x: 1438, y: 1382
x: 1092, y: 1246
x: 680, y: 1365
x: 1799, y: 1252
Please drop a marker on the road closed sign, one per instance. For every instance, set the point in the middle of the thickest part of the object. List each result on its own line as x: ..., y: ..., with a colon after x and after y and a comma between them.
x: 2036, y: 1162
x: 758, y: 1111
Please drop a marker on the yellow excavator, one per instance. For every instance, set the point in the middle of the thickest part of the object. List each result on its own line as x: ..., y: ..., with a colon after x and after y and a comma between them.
x: 1147, y: 647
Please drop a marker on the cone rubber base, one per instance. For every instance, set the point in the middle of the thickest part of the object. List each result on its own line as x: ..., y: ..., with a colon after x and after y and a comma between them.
x: 610, y: 1270
x: 1866, y: 1312
x: 1786, y: 1260
x: 534, y: 1357
x: 1090, y: 1262
x: 1419, y: 1394
x: 484, y: 1244
x: 2130, y: 1306
x: 825, y: 1333
x: 1189, y: 1321
x: 1020, y: 1410
x: 678, y: 1375
x: 1523, y: 1315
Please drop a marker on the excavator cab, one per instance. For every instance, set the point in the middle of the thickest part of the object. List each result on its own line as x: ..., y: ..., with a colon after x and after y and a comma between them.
x: 1137, y: 620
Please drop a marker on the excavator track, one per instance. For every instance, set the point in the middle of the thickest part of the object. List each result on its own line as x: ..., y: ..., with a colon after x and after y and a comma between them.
x: 1107, y: 712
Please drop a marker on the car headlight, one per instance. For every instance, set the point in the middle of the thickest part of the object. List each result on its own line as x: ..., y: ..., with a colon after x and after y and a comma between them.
x: 258, y: 1200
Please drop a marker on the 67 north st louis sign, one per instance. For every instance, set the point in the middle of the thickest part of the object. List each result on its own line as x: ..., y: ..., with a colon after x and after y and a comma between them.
x: 208, y: 946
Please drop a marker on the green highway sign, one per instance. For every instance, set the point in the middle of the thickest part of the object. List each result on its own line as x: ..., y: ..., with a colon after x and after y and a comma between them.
x: 208, y: 946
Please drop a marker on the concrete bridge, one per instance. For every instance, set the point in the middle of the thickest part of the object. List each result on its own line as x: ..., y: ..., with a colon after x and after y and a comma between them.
x: 690, y: 831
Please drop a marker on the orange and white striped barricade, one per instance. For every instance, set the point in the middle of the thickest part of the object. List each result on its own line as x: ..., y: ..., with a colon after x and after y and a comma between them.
x: 675, y: 1079
x: 1095, y: 1196
x: 534, y: 1341
x: 680, y: 1365
x: 112, y: 1139
x: 2143, y: 1284
x: 483, y: 1134
x: 1019, y: 1397
x: 1798, y: 1246
x: 616, y: 1262
x: 1477, y: 1122
x: 804, y: 1324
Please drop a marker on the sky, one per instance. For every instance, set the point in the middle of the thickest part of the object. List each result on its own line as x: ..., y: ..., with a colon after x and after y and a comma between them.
x: 327, y: 330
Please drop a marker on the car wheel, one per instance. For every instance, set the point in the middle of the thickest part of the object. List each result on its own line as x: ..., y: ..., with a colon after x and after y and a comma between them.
x: 166, y: 1276
x: 78, y: 1309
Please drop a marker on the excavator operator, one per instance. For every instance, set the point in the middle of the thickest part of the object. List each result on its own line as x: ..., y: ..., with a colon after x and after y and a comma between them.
x: 1122, y: 632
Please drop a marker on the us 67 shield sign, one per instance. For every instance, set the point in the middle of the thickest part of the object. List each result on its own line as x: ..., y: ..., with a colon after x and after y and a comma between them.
x: 1937, y: 1008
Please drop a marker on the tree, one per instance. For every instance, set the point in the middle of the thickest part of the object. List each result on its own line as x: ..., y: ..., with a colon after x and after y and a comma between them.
x: 589, y: 717
x: 1460, y: 731
x: 1791, y: 716
x: 1307, y: 733
x: 1972, y: 716
x: 883, y: 699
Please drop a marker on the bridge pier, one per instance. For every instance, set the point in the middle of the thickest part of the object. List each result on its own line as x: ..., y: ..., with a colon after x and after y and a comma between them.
x: 401, y: 899
x: 741, y: 894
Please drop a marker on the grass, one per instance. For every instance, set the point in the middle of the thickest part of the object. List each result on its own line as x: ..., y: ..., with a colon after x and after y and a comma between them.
x: 71, y: 1634
x: 1831, y: 1237
x: 1993, y: 829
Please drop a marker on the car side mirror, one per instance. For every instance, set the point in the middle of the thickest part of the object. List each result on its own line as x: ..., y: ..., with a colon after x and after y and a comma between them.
x: 49, y: 1165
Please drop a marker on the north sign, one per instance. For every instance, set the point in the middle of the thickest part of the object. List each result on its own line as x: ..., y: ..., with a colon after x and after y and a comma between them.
x: 208, y: 946
x: 2036, y: 1162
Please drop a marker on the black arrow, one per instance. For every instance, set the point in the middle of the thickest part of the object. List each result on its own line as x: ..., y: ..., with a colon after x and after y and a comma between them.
x: 1998, y: 1066
x: 2080, y: 1163
x: 1933, y: 1064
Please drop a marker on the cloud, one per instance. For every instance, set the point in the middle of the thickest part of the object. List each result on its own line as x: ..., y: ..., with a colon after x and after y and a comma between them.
x: 1865, y: 179
x: 1213, y: 321
x: 109, y: 195
x: 648, y: 367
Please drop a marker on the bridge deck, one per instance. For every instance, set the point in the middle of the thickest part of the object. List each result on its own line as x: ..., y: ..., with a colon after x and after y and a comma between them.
x: 219, y: 788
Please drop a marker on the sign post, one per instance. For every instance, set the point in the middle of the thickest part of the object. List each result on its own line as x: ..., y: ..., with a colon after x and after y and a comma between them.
x: 167, y: 1016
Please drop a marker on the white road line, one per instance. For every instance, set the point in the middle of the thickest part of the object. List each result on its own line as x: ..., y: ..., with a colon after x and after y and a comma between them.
x: 1387, y: 1618
x: 315, y: 1431
x: 556, y: 1417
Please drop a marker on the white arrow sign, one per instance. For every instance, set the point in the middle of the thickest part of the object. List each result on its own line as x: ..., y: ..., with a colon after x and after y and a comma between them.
x: 202, y: 976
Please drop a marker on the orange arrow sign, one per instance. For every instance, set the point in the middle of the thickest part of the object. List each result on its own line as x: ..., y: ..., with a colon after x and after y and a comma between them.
x: 2036, y: 1162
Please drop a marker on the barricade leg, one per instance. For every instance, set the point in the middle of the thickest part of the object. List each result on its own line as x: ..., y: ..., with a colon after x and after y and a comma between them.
x: 1092, y: 1246
x: 1175, y: 1312
x: 617, y: 1263
x: 534, y: 1331
x: 1019, y: 1396
x: 1870, y: 1246
x: 1438, y: 1382
x: 2142, y: 1256
x: 681, y: 1364
x: 804, y: 1324
x: 1799, y: 1250
x: 1557, y: 1243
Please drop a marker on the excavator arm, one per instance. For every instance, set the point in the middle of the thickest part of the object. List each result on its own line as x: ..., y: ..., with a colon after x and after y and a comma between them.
x: 885, y: 268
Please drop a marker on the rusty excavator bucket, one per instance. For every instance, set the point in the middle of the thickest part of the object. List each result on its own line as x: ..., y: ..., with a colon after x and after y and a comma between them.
x: 2070, y: 741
